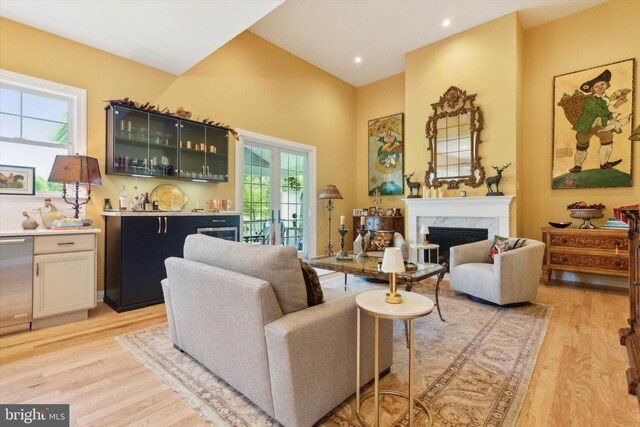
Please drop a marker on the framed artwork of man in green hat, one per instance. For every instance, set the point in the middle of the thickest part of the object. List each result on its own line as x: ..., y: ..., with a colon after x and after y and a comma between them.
x: 592, y: 122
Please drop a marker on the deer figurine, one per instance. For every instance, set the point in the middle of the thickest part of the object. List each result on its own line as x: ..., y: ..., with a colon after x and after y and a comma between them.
x: 411, y: 186
x: 496, y: 180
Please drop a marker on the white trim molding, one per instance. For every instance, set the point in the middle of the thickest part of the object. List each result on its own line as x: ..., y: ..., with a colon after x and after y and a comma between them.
x: 490, y: 212
x: 76, y: 96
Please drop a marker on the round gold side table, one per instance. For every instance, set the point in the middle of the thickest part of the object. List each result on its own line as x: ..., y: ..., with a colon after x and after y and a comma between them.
x: 413, y: 306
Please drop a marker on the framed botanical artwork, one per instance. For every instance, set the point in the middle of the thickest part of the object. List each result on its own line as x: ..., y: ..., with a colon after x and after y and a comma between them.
x: 389, y: 212
x: 592, y: 126
x: 364, y: 212
x: 386, y: 155
x: 356, y: 212
x: 373, y: 211
x: 17, y: 180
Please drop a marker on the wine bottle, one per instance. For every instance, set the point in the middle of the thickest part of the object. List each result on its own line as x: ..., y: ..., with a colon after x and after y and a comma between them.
x: 122, y: 200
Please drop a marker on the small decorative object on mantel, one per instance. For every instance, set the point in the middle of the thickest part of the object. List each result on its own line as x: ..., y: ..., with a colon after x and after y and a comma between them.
x: 412, y: 186
x: 495, y: 180
x: 180, y: 112
x: 29, y: 223
x: 585, y: 212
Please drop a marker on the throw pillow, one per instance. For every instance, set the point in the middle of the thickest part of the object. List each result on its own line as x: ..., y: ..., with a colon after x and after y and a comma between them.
x: 494, y: 248
x: 504, y: 244
x: 312, y: 282
x: 381, y: 240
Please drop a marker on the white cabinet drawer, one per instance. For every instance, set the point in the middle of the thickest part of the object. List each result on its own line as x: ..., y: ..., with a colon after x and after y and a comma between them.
x: 63, y: 243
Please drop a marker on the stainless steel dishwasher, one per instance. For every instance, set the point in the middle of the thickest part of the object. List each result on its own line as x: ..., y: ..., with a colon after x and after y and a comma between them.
x: 16, y: 284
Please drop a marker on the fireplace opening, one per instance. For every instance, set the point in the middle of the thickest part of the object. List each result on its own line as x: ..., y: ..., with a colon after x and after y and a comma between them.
x: 447, y: 237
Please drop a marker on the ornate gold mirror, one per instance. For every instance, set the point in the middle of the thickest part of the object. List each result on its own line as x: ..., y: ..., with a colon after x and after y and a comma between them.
x: 453, y: 134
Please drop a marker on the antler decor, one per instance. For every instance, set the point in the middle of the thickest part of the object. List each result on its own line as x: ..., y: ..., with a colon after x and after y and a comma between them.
x: 180, y: 112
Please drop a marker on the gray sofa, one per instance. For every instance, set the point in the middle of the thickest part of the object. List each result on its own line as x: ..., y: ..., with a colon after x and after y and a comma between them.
x: 512, y: 278
x: 241, y: 311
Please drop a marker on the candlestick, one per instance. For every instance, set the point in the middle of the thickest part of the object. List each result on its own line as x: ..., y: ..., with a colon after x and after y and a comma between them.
x: 362, y: 220
x: 341, y: 219
x: 362, y: 232
x: 342, y: 255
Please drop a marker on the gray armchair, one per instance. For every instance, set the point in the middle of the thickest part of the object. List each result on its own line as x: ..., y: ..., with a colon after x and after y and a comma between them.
x: 512, y: 278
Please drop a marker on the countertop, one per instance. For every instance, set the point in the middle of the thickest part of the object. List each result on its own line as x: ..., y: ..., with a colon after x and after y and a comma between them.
x: 166, y: 213
x: 46, y: 232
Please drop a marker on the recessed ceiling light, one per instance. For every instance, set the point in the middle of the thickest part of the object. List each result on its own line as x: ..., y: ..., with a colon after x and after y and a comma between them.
x: 446, y: 23
x: 358, y: 59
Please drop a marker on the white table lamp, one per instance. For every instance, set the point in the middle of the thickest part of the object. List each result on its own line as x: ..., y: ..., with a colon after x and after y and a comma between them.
x: 424, y: 230
x: 392, y: 263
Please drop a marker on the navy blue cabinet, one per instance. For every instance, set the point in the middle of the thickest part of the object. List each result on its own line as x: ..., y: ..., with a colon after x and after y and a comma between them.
x: 137, y: 245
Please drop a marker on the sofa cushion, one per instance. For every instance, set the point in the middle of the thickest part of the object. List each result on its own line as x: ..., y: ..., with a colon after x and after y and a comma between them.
x: 380, y: 240
x: 312, y: 284
x: 277, y: 265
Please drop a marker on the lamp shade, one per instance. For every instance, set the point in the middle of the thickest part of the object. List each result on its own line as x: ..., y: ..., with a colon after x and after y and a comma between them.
x: 424, y: 229
x: 392, y: 261
x: 330, y: 192
x: 75, y: 168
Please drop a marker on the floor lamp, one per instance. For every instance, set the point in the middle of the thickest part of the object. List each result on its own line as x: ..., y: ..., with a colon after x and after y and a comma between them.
x: 329, y: 192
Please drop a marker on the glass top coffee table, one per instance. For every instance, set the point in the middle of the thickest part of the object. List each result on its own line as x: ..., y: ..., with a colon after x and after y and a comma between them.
x: 369, y: 268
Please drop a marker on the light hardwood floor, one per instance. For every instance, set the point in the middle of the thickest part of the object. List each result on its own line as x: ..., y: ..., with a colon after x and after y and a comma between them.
x: 579, y: 379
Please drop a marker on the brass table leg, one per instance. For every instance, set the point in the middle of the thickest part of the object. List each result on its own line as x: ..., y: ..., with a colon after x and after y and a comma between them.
x: 440, y: 276
x: 411, y: 372
x: 358, y: 362
x: 376, y: 369
x: 376, y: 391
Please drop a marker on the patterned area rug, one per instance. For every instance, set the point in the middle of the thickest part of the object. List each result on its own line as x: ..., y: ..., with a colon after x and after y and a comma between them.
x: 472, y: 370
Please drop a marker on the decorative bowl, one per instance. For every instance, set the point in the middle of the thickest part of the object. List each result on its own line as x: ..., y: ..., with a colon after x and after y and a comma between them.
x: 586, y: 215
x: 560, y: 224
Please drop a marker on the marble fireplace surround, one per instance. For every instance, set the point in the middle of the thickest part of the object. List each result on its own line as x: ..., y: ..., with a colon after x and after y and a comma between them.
x: 491, y: 213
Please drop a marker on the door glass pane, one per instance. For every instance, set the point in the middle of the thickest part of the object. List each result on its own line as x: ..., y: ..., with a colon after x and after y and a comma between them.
x: 292, y: 172
x: 256, y: 189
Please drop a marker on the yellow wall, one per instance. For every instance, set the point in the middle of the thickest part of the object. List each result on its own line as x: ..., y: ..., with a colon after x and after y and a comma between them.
x: 254, y: 85
x: 249, y: 84
x: 596, y: 36
x: 382, y: 98
x: 484, y: 61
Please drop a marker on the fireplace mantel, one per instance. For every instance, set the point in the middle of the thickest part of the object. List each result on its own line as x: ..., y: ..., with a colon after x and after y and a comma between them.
x: 493, y: 210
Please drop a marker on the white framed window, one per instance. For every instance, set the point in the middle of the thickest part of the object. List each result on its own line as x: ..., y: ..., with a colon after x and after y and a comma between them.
x: 40, y: 119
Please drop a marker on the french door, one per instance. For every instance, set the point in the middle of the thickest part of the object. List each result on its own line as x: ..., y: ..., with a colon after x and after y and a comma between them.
x: 275, y: 193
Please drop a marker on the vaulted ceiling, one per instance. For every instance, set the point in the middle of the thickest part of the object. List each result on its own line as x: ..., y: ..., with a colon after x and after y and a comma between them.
x: 175, y: 35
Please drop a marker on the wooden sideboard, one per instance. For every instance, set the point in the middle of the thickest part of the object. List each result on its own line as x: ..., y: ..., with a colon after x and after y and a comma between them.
x: 598, y: 251
x: 385, y: 223
x: 630, y: 337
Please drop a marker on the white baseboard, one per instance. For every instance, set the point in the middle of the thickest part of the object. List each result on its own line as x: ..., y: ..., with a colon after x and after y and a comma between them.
x: 100, y: 296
